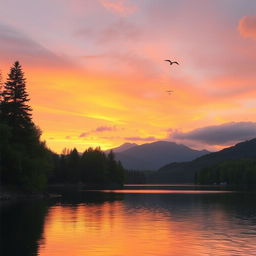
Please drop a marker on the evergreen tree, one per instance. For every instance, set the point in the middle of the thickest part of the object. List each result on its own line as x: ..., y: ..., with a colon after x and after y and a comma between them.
x: 1, y: 85
x: 73, y: 167
x: 24, y: 160
x: 115, y: 169
x: 93, y: 167
x: 14, y: 108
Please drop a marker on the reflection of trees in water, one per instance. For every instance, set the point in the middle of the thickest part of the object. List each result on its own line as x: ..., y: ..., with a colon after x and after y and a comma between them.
x: 22, y: 224
x: 21, y: 227
x: 186, y: 206
x: 85, y: 204
x: 95, y: 197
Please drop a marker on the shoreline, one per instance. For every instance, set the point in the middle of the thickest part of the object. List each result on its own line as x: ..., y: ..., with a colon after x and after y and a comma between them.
x: 13, y: 193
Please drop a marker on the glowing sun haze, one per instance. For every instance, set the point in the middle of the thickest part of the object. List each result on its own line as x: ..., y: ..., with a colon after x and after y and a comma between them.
x: 96, y: 76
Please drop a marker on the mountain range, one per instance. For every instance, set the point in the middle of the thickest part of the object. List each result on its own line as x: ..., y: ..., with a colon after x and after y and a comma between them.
x: 185, y: 172
x: 152, y: 156
x: 123, y: 147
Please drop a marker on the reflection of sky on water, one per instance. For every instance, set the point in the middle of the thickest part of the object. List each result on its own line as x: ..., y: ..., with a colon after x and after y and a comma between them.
x: 159, y: 191
x: 159, y: 224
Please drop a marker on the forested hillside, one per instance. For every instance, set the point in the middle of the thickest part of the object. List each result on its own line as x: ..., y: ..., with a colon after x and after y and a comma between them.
x: 185, y: 172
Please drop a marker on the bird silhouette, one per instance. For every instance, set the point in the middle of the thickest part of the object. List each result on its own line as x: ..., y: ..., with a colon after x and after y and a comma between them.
x: 169, y: 92
x: 172, y: 62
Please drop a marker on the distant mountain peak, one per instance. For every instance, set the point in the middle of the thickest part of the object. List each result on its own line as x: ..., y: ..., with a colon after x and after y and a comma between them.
x: 151, y: 156
x: 122, y: 147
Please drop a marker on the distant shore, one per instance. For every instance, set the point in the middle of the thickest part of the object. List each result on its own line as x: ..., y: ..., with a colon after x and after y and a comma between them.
x: 13, y: 193
x: 53, y: 191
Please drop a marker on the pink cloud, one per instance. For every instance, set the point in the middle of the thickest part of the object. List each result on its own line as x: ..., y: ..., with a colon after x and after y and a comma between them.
x: 84, y: 134
x: 105, y: 128
x: 247, y: 26
x: 122, y: 7
x: 99, y: 129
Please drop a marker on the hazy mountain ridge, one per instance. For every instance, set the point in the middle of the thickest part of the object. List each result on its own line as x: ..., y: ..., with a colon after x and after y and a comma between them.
x: 122, y: 147
x: 185, y: 172
x: 151, y: 156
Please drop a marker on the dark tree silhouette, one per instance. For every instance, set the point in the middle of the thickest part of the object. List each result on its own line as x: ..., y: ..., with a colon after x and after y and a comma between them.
x: 93, y: 167
x: 15, y: 110
x: 136, y: 177
x: 1, y: 85
x: 24, y: 159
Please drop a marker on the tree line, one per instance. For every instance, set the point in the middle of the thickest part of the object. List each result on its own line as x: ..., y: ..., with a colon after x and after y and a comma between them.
x: 236, y: 173
x: 26, y: 162
x: 93, y: 166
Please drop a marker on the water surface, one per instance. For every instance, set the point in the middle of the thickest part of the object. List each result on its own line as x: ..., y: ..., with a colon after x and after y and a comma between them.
x: 160, y: 221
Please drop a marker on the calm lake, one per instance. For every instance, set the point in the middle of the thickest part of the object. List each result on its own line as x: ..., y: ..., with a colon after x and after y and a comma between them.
x: 135, y: 221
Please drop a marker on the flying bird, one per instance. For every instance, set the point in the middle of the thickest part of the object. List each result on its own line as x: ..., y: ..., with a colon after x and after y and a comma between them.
x: 172, y: 62
x: 169, y: 92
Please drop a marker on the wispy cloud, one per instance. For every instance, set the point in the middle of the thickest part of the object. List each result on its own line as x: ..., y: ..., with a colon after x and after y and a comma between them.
x: 100, y: 129
x: 105, y: 128
x: 16, y: 45
x: 120, y: 30
x: 83, y: 134
x: 122, y: 7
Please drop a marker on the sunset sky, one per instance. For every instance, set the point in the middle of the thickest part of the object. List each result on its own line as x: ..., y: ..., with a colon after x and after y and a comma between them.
x: 96, y: 73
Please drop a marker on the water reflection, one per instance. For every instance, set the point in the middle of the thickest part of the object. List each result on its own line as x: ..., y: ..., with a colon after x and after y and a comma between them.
x: 162, y: 191
x: 21, y: 227
x: 123, y: 224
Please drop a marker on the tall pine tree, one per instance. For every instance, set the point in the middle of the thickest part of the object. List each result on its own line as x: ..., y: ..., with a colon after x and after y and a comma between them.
x: 1, y: 85
x: 1, y: 92
x: 24, y: 159
x: 15, y: 110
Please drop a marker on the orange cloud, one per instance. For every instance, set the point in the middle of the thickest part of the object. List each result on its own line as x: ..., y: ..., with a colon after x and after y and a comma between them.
x: 122, y: 7
x: 247, y: 26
